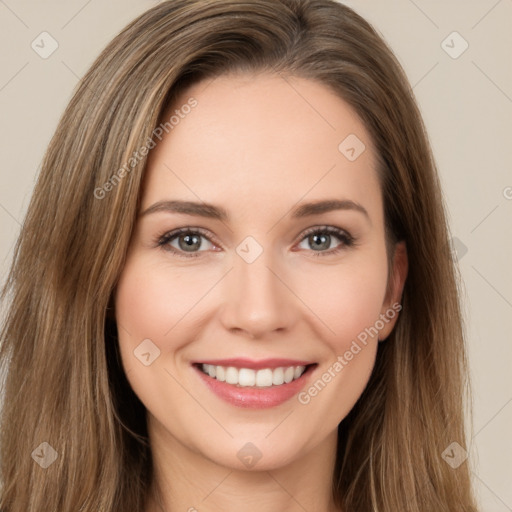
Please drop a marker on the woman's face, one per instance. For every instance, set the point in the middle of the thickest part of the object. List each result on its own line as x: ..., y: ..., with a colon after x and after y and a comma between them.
x: 260, y: 279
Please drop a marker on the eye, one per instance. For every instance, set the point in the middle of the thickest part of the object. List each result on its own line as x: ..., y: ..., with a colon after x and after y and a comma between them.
x: 188, y: 241
x: 321, y: 238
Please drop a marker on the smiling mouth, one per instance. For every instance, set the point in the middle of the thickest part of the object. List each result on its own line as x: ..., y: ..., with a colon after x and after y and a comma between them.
x: 248, y: 377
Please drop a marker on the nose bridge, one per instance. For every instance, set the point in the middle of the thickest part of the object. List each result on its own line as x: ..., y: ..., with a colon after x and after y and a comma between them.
x: 257, y: 301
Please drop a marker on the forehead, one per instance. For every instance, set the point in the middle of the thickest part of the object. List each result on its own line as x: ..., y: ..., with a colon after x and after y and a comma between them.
x: 252, y: 141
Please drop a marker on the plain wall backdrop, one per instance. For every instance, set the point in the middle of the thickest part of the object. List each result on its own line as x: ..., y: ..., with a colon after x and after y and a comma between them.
x: 457, y: 55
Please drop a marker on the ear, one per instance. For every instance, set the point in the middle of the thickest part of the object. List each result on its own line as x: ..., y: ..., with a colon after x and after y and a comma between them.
x: 396, y: 282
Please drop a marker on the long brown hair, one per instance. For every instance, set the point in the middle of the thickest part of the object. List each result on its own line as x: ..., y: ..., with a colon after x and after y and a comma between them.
x: 64, y: 384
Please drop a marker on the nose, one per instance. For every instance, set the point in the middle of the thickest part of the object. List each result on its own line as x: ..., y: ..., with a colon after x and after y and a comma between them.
x: 257, y: 298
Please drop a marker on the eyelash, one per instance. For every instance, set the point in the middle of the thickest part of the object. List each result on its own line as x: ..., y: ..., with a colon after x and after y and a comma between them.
x: 347, y: 240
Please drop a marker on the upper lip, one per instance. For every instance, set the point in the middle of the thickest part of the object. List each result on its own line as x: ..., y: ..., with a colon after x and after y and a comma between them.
x: 241, y: 362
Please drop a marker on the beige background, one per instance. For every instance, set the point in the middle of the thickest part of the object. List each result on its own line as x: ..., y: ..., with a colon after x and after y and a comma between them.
x: 467, y: 105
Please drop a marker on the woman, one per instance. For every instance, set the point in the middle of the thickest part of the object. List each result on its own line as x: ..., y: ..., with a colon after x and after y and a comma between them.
x: 234, y: 287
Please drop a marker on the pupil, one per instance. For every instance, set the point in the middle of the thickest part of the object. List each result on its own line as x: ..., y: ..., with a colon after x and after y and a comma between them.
x: 190, y: 241
x: 325, y: 244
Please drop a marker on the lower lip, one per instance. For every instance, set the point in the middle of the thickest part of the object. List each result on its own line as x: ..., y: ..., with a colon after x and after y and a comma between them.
x: 252, y: 397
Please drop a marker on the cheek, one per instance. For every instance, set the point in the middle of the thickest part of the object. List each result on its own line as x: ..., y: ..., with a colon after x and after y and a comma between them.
x: 347, y: 299
x: 157, y: 301
x: 151, y: 299
x: 143, y: 311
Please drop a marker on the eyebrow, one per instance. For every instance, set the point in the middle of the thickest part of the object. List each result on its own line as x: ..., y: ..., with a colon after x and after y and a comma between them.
x: 211, y: 211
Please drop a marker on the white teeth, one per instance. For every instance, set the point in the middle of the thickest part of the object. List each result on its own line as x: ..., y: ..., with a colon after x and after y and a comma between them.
x: 264, y: 378
x: 288, y: 374
x: 245, y: 377
x: 231, y: 375
x: 221, y: 373
x: 278, y: 377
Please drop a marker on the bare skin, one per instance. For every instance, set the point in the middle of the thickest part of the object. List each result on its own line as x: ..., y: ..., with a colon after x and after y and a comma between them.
x: 258, y: 146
